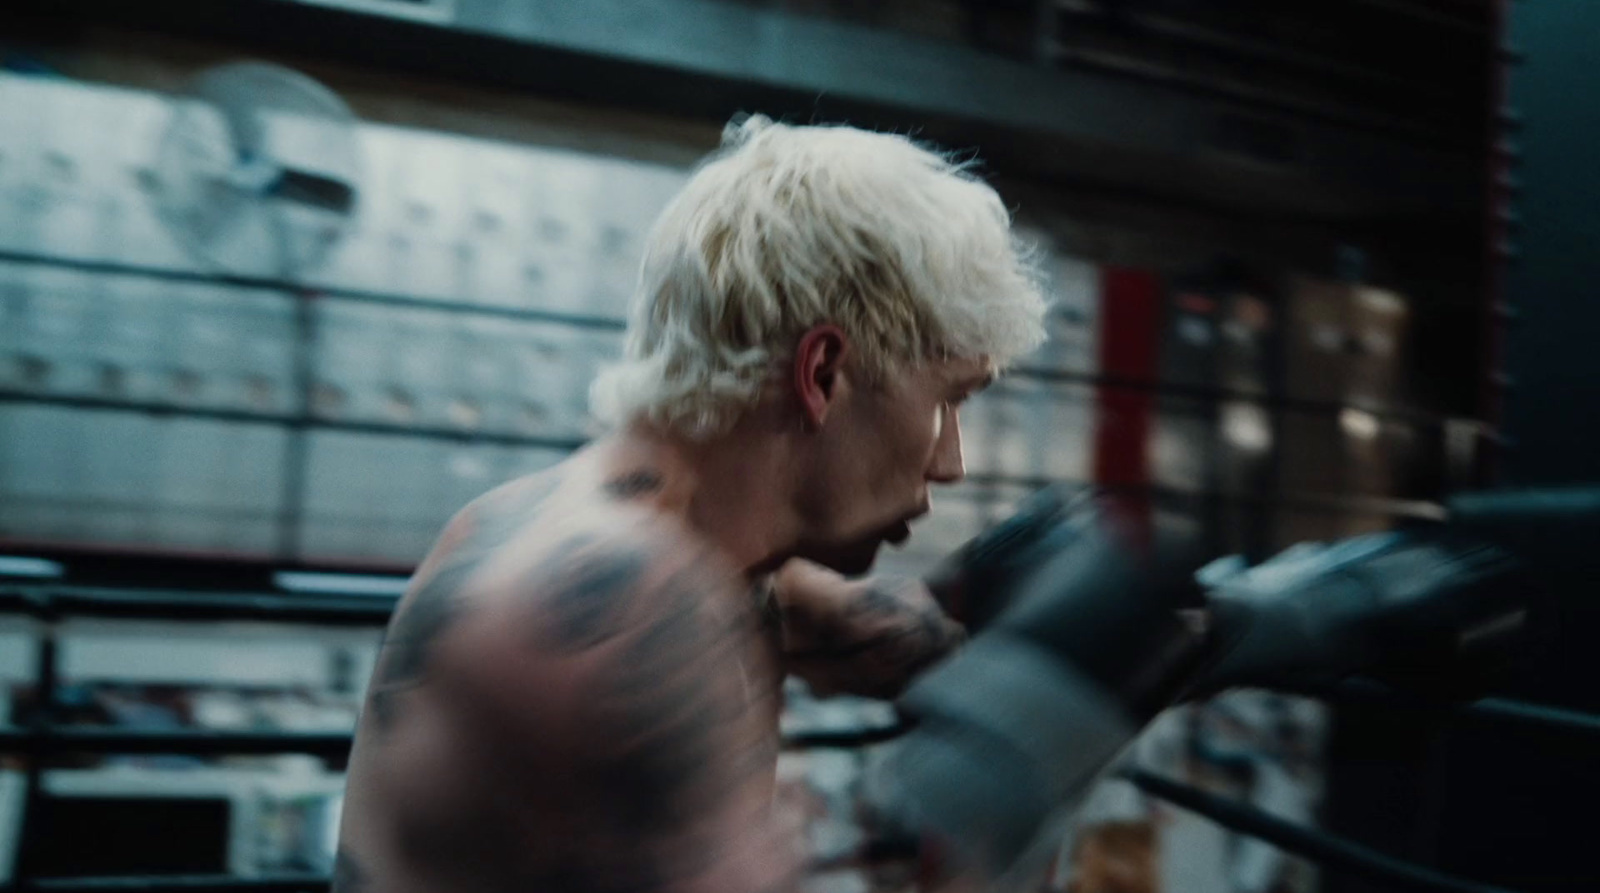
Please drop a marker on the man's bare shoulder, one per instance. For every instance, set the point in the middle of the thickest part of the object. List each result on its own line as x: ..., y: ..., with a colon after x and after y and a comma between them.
x: 573, y: 662
x: 582, y: 570
x: 617, y: 641
x: 546, y: 565
x: 575, y: 521
x: 576, y: 496
x: 590, y: 575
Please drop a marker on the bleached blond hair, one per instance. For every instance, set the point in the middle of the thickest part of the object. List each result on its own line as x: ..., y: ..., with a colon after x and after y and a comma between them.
x: 787, y: 227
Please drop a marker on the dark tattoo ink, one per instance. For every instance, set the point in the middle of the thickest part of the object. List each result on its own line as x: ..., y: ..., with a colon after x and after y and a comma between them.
x: 436, y: 605
x: 587, y: 593
x: 668, y: 708
x: 430, y: 612
x: 635, y: 484
x: 885, y: 637
x: 411, y: 634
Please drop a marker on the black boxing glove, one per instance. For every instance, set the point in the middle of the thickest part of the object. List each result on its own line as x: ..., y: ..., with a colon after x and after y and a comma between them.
x: 1090, y: 644
x: 1429, y: 611
x: 977, y: 580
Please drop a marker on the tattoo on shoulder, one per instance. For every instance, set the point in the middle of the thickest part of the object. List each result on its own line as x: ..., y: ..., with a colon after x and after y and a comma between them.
x: 664, y: 703
x: 660, y: 707
x: 436, y: 605
x: 634, y: 484
x: 588, y: 587
x: 348, y: 874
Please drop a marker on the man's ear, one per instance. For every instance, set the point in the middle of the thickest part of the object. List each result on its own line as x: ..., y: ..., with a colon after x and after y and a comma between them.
x: 818, y: 359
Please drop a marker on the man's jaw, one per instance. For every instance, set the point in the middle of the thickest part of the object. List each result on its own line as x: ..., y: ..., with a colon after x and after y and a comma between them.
x: 898, y: 534
x: 900, y: 531
x: 858, y: 556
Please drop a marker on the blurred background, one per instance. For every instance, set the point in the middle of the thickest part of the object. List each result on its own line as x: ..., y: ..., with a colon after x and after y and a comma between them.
x: 284, y: 283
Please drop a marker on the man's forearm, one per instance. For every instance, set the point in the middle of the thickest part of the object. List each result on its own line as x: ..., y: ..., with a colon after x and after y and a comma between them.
x: 866, y: 637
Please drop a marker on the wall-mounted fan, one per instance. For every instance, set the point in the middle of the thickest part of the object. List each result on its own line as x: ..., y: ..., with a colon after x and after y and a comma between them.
x: 257, y: 172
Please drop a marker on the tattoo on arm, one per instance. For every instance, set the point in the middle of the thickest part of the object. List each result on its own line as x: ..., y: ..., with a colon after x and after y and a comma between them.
x: 588, y: 589
x: 889, y: 631
x: 656, y: 741
x: 661, y: 705
x: 436, y: 605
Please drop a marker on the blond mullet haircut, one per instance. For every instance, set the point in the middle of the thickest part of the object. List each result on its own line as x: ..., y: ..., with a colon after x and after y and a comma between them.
x: 788, y: 227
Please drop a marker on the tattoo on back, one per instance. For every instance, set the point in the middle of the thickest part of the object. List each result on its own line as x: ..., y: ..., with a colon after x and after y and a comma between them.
x: 664, y: 705
x: 635, y: 484
x: 436, y: 604
x: 588, y: 589
x: 660, y: 703
x: 661, y: 752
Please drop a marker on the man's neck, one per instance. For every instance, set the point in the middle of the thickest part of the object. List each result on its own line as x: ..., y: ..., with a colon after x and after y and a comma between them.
x: 732, y: 490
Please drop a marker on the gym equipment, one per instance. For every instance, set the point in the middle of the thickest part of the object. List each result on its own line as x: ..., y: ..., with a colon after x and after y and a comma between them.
x: 1098, y: 635
x: 258, y: 170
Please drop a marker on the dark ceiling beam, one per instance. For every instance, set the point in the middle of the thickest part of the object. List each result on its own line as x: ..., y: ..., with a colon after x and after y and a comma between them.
x: 707, y: 59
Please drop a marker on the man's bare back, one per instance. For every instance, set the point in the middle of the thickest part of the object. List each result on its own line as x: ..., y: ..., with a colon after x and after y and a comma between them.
x: 576, y: 694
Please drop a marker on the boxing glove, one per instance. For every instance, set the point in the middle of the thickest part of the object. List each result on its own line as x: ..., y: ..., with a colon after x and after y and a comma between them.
x: 1428, y: 611
x: 1441, y: 610
x: 976, y: 581
x: 1091, y: 642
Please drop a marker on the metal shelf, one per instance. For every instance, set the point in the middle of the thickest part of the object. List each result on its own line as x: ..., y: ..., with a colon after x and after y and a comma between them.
x: 1312, y: 502
x: 1316, y: 503
x: 289, y: 288
x: 45, y: 739
x: 1274, y: 402
x: 295, y: 883
x: 302, y: 419
x: 333, y: 745
x: 1325, y: 848
x: 56, y: 602
x: 245, y: 416
x: 84, y: 740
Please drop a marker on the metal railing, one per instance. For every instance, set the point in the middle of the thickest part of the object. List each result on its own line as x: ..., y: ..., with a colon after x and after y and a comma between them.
x: 43, y: 738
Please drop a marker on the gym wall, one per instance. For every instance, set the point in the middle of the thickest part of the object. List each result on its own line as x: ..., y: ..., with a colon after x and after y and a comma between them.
x: 1250, y: 378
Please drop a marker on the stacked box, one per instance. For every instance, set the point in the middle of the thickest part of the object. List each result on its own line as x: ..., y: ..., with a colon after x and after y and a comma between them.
x: 1345, y: 347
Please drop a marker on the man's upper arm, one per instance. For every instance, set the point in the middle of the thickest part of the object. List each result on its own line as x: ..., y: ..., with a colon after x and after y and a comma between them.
x: 616, y: 661
x: 651, y: 662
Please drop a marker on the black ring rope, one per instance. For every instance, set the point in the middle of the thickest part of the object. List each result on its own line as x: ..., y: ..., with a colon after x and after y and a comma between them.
x: 54, y: 602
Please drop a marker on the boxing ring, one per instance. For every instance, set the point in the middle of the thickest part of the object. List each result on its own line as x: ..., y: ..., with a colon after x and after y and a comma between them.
x: 45, y: 739
x: 1544, y: 447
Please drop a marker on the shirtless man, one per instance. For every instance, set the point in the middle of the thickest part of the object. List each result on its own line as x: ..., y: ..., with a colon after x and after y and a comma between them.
x: 581, y: 690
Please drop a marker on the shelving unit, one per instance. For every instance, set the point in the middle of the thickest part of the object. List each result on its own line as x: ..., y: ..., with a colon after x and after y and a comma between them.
x: 354, y: 410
